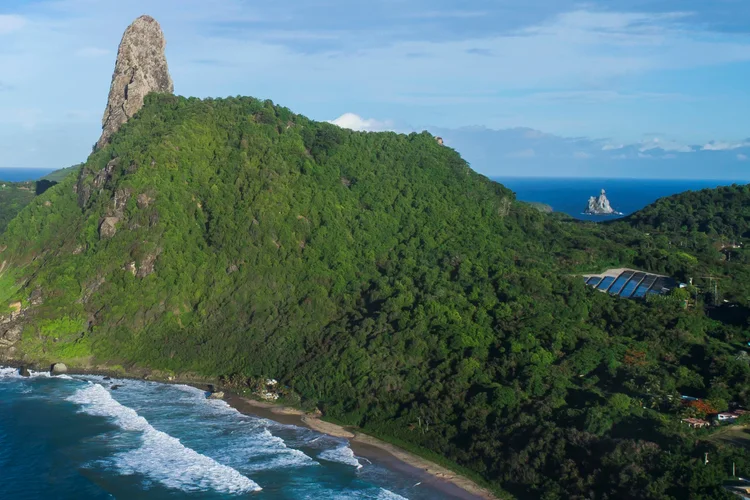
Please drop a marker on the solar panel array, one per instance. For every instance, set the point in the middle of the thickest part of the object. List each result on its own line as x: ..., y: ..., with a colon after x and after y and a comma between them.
x: 632, y: 284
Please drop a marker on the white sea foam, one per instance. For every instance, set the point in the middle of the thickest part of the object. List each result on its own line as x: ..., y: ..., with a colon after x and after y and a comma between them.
x: 384, y: 494
x: 258, y: 450
x: 9, y: 373
x: 6, y: 372
x: 160, y: 456
x: 343, y: 455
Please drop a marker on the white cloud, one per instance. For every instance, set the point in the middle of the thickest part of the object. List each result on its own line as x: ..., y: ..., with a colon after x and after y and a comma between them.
x: 11, y: 23
x: 658, y: 143
x: 581, y: 155
x: 742, y: 157
x: 724, y: 146
x: 356, y: 122
x: 612, y: 147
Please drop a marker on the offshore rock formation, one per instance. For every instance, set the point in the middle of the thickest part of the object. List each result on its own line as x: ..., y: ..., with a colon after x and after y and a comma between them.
x: 600, y: 206
x: 141, y: 68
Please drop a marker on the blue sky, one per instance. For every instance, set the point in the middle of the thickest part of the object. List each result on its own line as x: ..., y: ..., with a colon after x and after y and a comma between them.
x: 625, y: 79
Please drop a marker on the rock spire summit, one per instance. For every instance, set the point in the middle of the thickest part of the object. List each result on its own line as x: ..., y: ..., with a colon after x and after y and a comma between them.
x: 141, y: 68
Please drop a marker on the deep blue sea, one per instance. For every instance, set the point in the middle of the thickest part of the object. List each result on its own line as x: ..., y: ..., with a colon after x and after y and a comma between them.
x: 571, y: 196
x: 23, y: 174
x: 73, y: 437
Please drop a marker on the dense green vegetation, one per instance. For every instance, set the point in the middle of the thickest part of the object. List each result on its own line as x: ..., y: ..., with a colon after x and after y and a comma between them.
x: 13, y: 197
x: 60, y: 174
x: 391, y: 286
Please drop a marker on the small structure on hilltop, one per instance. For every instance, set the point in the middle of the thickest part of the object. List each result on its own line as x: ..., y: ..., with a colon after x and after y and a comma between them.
x: 439, y: 140
x: 696, y: 423
x: 600, y: 206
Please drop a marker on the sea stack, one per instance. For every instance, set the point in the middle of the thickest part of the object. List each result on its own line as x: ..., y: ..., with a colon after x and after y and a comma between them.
x: 141, y: 68
x: 600, y: 206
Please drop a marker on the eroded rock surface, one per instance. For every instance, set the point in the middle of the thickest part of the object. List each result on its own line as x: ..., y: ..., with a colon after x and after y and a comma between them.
x: 141, y: 68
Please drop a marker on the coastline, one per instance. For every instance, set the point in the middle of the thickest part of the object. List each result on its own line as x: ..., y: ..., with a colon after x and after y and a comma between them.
x: 425, y: 472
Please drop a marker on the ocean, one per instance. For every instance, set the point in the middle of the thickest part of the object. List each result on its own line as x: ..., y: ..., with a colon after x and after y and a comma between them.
x: 74, y: 437
x: 23, y: 174
x: 571, y: 196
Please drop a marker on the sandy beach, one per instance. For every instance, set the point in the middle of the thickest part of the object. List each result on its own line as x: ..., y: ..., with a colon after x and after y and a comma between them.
x: 431, y: 475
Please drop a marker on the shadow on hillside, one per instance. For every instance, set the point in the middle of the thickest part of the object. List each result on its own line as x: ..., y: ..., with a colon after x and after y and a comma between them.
x: 43, y: 185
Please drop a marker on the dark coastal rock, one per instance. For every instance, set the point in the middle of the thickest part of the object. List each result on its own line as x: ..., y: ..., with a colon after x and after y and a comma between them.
x: 58, y: 369
x: 24, y: 371
x: 107, y: 378
x: 115, y: 387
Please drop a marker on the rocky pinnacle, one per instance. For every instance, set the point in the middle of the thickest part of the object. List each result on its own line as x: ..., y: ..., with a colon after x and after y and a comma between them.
x: 141, y: 68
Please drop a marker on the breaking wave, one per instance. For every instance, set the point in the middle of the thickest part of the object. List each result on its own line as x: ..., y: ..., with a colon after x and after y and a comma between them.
x: 343, y: 455
x: 160, y: 456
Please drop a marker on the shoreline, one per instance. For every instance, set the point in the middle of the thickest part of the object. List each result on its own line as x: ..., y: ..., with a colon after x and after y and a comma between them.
x: 425, y: 472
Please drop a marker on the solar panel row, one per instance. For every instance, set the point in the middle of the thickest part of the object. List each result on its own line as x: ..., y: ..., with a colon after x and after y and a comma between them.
x: 640, y: 292
x: 605, y: 283
x: 628, y: 290
x: 631, y: 284
x: 620, y: 282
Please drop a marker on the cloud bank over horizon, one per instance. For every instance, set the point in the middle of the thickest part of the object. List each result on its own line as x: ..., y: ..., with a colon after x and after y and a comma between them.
x: 618, y: 69
x: 526, y: 152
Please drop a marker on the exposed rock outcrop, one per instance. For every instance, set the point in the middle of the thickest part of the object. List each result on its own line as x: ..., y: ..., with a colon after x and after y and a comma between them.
x: 120, y: 201
x: 141, y: 68
x: 58, y: 369
x: 147, y: 264
x: 143, y: 201
x: 11, y: 327
x: 84, y: 189
x: 108, y: 227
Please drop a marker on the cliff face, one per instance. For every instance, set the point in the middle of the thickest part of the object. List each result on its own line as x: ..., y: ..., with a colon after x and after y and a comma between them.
x: 141, y: 68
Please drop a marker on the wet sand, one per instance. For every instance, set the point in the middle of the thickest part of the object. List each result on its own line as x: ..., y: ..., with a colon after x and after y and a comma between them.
x: 428, y: 474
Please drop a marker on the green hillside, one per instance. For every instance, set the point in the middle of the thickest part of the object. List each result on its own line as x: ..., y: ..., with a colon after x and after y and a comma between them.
x: 60, y: 174
x: 14, y: 196
x: 384, y: 282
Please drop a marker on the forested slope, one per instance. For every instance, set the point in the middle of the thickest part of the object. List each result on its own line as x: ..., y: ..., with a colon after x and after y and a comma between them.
x: 384, y: 282
x: 14, y: 196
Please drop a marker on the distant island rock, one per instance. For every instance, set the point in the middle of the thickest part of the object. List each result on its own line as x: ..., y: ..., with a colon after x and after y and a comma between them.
x: 600, y: 206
